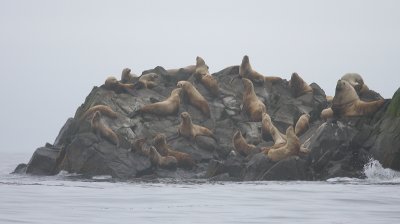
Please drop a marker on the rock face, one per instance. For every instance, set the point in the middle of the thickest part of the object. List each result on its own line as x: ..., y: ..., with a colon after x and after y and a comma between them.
x: 338, y: 147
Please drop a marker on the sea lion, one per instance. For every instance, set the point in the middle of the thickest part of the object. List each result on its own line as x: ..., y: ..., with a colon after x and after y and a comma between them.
x: 302, y: 124
x: 103, y: 130
x: 241, y: 146
x: 291, y: 148
x: 127, y: 76
x: 195, y: 97
x: 252, y: 106
x: 147, y: 81
x: 184, y: 159
x: 356, y: 81
x: 298, y: 86
x: 189, y: 130
x: 138, y: 146
x: 268, y: 128
x: 166, y: 162
x: 347, y: 103
x: 113, y: 84
x: 203, y: 75
x: 179, y: 74
x: 105, y: 110
x: 246, y: 71
x: 170, y: 106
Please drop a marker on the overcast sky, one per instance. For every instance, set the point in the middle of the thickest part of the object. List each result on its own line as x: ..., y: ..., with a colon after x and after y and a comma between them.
x: 53, y: 52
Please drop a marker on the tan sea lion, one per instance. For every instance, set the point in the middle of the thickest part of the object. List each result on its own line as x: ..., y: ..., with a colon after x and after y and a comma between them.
x: 127, y: 76
x: 103, y: 130
x: 147, y: 81
x: 105, y: 110
x: 298, y: 86
x: 291, y: 148
x: 113, y: 84
x: 203, y: 75
x: 356, y: 81
x: 252, y: 106
x: 189, y: 130
x: 184, y: 159
x: 166, y: 162
x: 246, y: 71
x: 302, y: 124
x: 170, y: 106
x: 268, y: 128
x: 195, y: 97
x: 241, y: 146
x: 347, y: 103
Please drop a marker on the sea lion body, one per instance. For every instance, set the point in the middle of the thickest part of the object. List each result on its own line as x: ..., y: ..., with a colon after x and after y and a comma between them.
x: 184, y: 160
x: 326, y: 114
x: 298, y: 86
x: 291, y: 148
x: 347, y: 103
x: 241, y: 146
x: 302, y: 124
x: 166, y: 162
x: 189, y: 130
x: 170, y: 106
x: 113, y: 84
x: 105, y: 110
x: 195, y: 97
x: 147, y: 81
x: 246, y: 71
x: 103, y: 130
x: 253, y: 106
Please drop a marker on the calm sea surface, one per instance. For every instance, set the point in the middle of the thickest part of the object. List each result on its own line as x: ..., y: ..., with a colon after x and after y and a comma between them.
x: 66, y: 198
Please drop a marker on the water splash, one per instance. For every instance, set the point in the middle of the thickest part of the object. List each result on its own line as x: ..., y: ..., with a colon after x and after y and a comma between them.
x: 374, y: 172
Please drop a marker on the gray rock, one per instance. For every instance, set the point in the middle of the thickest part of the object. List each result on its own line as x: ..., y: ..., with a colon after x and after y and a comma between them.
x: 43, y: 162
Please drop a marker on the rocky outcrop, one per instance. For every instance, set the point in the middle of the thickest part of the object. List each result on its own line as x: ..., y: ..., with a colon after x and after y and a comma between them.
x: 338, y: 147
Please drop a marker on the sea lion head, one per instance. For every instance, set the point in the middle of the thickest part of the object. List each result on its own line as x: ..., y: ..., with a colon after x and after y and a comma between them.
x: 237, y: 135
x: 245, y: 66
x: 159, y: 139
x: 96, y: 116
x: 176, y: 91
x: 182, y: 84
x: 344, y: 93
x: 355, y: 80
x: 200, y: 62
x: 111, y: 81
x: 126, y: 71
x: 185, y: 115
x: 296, y: 81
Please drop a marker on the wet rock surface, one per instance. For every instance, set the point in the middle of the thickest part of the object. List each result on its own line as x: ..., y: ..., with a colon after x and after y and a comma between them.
x: 337, y: 147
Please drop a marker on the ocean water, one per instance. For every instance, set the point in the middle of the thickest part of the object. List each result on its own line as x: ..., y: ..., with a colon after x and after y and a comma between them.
x: 66, y: 198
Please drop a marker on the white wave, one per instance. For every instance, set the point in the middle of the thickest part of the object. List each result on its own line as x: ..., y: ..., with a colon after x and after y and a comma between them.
x: 375, y: 172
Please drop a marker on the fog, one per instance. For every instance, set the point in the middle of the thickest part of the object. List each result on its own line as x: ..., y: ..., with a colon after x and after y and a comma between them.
x: 54, y: 52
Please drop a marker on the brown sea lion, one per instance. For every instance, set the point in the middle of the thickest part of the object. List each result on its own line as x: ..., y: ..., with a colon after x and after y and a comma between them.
x: 103, y: 130
x: 179, y: 74
x: 241, y: 146
x: 166, y: 162
x: 170, y: 106
x: 346, y: 102
x: 252, y: 106
x: 139, y: 146
x: 329, y: 99
x: 356, y: 81
x: 268, y: 128
x: 127, y: 76
x: 189, y: 130
x: 298, y: 86
x: 246, y: 71
x: 291, y: 148
x: 195, y: 97
x: 203, y: 75
x: 302, y: 124
x: 184, y: 159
